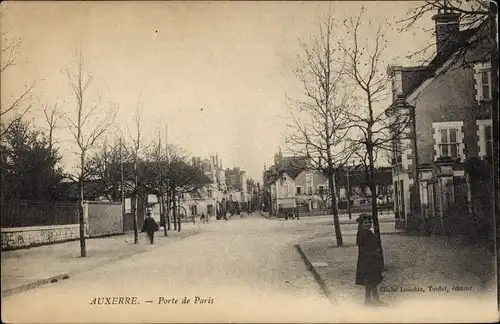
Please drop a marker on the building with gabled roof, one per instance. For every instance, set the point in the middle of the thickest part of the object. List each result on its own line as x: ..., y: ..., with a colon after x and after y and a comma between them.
x: 449, y: 105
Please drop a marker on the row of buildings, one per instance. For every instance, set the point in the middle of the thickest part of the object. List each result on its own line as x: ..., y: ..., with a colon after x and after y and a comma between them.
x: 292, y: 185
x: 442, y: 173
x: 228, y: 191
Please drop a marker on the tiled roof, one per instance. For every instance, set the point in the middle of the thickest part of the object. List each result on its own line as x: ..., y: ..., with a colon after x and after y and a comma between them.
x: 438, y: 60
x: 292, y: 172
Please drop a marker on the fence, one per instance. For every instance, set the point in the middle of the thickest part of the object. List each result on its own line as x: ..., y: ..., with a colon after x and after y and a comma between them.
x: 22, y: 213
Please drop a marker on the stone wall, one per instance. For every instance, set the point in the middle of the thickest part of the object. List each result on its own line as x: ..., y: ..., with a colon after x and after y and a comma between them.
x: 21, y: 237
x: 101, y: 219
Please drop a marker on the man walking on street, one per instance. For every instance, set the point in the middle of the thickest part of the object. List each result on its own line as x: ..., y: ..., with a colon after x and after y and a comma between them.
x: 150, y: 226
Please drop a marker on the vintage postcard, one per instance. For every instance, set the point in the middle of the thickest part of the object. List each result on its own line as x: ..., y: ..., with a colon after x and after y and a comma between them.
x: 249, y: 161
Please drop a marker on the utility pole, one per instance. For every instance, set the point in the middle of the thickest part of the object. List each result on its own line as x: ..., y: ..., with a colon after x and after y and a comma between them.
x: 167, y: 180
x: 136, y: 200
x: 122, y: 184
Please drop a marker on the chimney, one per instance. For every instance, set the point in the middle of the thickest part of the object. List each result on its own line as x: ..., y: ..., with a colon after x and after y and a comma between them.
x: 447, y: 31
x: 193, y: 160
x: 217, y: 159
x: 220, y: 165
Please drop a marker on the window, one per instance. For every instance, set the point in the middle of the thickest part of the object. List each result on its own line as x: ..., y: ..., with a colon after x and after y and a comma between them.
x: 486, y: 85
x: 342, y: 192
x: 285, y: 191
x: 484, y: 138
x: 488, y: 140
x: 309, y: 190
x: 482, y: 76
x: 448, y: 147
x: 448, y: 140
x: 299, y: 189
x: 210, y: 193
x: 321, y: 189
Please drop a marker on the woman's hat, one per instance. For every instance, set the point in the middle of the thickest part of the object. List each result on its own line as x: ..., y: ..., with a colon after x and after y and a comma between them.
x: 362, y: 217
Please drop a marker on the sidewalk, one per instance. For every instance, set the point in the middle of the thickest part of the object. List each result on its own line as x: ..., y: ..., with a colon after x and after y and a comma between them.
x: 29, y: 268
x: 343, y: 218
x: 412, y: 263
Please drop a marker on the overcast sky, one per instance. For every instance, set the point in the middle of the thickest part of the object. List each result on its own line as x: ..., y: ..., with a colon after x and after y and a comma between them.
x: 216, y: 72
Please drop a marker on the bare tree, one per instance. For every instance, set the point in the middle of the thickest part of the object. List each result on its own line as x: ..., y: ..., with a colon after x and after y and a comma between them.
x: 158, y: 157
x: 374, y: 127
x: 87, y: 124
x: 21, y: 103
x: 320, y: 121
x: 111, y: 166
x: 136, y: 149
x: 52, y: 116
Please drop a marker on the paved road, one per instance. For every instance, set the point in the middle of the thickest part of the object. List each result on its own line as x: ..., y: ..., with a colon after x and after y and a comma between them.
x: 245, y: 270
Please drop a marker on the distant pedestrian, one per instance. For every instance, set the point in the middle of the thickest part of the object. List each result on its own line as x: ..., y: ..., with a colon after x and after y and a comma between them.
x: 202, y: 217
x: 369, y: 268
x: 150, y: 226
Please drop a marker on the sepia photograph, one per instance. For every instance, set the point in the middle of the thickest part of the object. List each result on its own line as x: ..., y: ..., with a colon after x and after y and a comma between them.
x: 249, y: 161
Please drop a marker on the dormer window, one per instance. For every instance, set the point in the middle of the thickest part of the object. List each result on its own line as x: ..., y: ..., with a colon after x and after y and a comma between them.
x: 482, y: 77
x: 284, y: 178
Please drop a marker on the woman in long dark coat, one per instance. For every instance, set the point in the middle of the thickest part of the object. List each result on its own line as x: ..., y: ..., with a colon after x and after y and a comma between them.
x: 369, y: 268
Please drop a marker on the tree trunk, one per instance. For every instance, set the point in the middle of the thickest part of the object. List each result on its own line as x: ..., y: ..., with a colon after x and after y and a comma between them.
x: 83, y: 247
x: 165, y: 212
x: 373, y: 192
x: 169, y: 208
x: 335, y: 212
x: 179, y: 217
x: 135, y: 205
x: 174, y: 200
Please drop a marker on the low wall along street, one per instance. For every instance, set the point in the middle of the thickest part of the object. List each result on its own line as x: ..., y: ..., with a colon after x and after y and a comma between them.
x: 21, y: 237
x: 101, y: 219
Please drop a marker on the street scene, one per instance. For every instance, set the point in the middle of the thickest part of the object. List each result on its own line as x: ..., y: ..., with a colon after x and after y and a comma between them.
x: 241, y: 266
x: 249, y: 162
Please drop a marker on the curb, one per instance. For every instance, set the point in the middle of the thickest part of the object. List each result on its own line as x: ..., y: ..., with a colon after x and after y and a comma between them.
x: 263, y: 215
x: 67, y: 275
x: 324, y: 288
